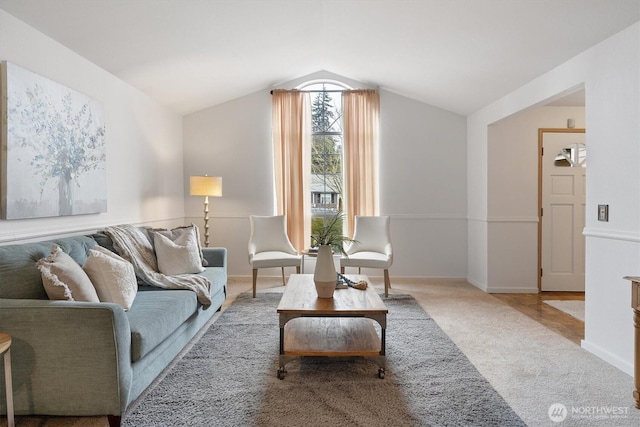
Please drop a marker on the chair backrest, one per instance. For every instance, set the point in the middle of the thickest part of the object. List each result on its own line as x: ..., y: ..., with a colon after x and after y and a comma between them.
x: 372, y: 234
x: 269, y: 233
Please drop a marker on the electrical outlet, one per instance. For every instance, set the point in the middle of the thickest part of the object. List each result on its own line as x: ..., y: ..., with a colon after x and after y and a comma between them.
x: 603, y: 213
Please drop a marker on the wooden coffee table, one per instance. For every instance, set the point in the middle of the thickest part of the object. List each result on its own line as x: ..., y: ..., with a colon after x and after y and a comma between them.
x: 342, y: 326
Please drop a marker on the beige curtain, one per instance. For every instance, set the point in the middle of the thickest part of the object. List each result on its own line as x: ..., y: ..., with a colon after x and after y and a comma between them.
x: 361, y: 119
x: 292, y: 162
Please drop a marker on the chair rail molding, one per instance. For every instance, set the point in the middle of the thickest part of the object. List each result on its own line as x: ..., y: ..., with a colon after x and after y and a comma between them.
x: 509, y: 219
x: 621, y: 235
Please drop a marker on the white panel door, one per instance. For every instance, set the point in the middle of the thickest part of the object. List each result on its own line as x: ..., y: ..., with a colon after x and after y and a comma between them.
x: 563, y: 216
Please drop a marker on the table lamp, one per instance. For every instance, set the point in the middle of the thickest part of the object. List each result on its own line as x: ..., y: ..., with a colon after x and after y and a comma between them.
x: 205, y: 186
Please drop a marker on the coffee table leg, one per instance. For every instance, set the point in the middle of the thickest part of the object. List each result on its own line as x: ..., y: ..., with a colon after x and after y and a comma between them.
x: 383, y: 355
x: 284, y: 358
x: 383, y: 346
x: 381, y: 358
x: 281, y: 371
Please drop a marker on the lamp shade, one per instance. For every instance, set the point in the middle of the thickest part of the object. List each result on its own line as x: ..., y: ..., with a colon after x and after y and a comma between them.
x: 205, y: 186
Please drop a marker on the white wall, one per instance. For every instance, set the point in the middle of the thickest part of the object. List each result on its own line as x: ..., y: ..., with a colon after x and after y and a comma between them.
x: 144, y: 140
x: 513, y: 196
x: 422, y: 175
x: 610, y: 74
x: 613, y: 248
x: 423, y: 187
x: 231, y: 140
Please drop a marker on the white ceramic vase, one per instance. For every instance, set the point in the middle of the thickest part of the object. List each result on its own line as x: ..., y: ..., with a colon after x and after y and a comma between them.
x: 325, y: 275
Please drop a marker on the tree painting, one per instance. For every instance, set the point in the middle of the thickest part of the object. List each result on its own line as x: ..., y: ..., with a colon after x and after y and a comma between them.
x: 56, y: 149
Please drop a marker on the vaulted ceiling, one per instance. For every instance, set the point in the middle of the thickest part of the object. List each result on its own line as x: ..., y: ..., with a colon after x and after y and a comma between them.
x: 458, y: 55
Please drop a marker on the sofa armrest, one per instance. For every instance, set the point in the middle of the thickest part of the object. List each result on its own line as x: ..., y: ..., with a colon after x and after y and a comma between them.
x: 216, y: 257
x: 69, y: 358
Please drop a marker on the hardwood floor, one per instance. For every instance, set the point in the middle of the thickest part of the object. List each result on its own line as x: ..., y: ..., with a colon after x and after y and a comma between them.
x: 533, y: 306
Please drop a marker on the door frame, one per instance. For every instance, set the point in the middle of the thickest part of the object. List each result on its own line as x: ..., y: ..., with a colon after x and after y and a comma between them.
x: 541, y: 132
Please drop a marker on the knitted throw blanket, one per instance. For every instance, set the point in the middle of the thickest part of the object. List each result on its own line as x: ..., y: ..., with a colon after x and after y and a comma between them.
x: 131, y: 244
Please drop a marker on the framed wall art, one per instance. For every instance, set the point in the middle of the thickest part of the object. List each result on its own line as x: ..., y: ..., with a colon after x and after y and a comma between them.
x: 53, y: 156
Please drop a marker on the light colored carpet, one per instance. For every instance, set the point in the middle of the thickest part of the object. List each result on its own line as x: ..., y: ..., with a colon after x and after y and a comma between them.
x: 571, y: 307
x: 228, y: 379
x: 531, y: 366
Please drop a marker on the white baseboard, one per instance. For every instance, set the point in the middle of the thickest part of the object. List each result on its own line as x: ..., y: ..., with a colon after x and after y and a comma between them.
x: 425, y: 280
x: 509, y: 290
x: 477, y: 284
x: 503, y: 290
x: 612, y: 359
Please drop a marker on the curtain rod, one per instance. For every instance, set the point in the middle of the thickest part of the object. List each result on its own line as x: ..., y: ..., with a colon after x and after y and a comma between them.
x: 333, y: 90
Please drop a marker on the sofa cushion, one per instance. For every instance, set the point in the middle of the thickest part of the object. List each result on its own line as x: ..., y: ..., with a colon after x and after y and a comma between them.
x: 112, y: 276
x: 64, y: 279
x: 155, y: 314
x: 217, y: 276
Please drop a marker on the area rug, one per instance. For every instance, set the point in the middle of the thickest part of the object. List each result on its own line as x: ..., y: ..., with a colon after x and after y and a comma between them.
x: 571, y: 307
x: 228, y: 378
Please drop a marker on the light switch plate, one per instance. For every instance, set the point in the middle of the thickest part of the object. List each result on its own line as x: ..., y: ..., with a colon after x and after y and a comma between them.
x: 603, y: 213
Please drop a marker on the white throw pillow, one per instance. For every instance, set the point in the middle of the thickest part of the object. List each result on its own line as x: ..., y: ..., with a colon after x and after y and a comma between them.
x: 64, y: 279
x: 174, y: 233
x: 112, y: 276
x: 178, y: 256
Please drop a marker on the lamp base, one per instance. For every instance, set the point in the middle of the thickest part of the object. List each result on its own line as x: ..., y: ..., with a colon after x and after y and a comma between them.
x: 206, y: 221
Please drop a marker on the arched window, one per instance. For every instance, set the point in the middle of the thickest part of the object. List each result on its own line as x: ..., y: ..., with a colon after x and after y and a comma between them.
x: 327, y: 157
x: 325, y: 139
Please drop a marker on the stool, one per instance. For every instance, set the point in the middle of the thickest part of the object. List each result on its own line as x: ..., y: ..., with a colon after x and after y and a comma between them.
x: 5, y: 348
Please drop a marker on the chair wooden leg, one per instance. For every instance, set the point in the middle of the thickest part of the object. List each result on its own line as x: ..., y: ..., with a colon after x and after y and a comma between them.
x: 297, y: 269
x: 387, y: 282
x: 341, y: 270
x: 255, y: 278
x: 283, y: 282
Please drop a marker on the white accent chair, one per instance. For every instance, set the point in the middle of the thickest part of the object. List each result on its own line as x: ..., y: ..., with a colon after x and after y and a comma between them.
x: 269, y: 246
x: 372, y: 247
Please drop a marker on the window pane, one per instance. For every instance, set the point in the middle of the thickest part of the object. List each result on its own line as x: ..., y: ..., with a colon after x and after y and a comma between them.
x: 575, y: 156
x: 326, y: 110
x: 326, y: 154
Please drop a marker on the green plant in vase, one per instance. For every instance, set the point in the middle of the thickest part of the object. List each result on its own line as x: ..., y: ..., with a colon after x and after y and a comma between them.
x: 329, y: 239
x: 330, y: 233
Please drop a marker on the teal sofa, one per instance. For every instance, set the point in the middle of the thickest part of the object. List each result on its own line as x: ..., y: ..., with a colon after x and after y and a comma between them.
x: 92, y: 359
